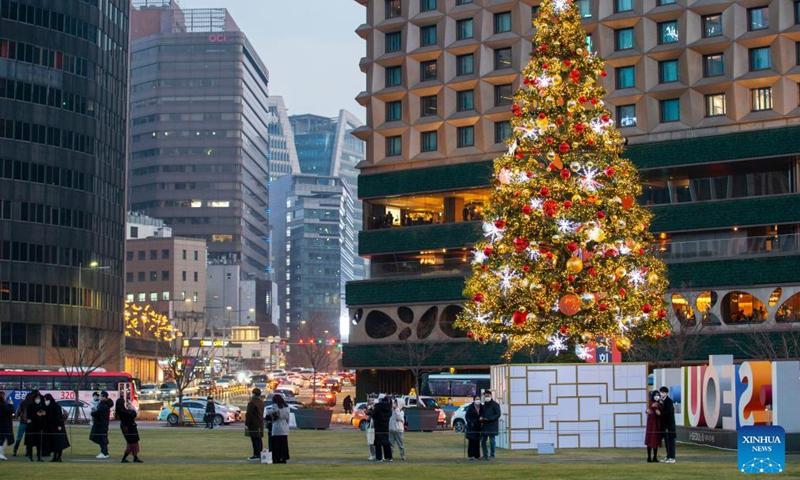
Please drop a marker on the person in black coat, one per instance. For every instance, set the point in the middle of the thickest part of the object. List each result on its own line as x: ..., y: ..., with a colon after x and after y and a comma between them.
x: 127, y: 423
x: 472, y: 431
x: 56, y: 431
x: 490, y: 416
x: 36, y: 424
x: 668, y: 424
x: 381, y: 415
x: 6, y: 425
x: 211, y: 412
x: 100, y: 418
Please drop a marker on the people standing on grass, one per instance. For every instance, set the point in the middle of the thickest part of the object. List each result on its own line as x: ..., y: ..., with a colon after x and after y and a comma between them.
x: 381, y: 415
x: 22, y: 416
x: 100, y: 419
x: 397, y: 427
x: 211, y: 411
x: 370, y: 427
x: 254, y: 423
x: 6, y: 425
x: 668, y: 424
x: 472, y: 431
x: 55, y: 429
x: 347, y: 405
x: 653, y: 432
x: 126, y: 415
x: 490, y: 417
x: 36, y: 422
x: 279, y: 410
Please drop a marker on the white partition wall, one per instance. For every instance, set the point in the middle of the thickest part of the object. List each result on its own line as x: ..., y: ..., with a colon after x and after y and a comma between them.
x: 571, y: 405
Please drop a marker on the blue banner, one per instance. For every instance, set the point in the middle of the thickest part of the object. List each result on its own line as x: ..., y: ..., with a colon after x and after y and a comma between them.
x: 762, y: 449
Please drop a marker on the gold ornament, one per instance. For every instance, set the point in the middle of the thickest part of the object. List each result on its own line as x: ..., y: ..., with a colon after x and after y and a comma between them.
x: 575, y: 166
x: 652, y: 278
x: 572, y: 105
x: 586, y: 337
x: 620, y: 272
x: 621, y: 223
x: 556, y: 80
x: 576, y: 198
x: 587, y: 299
x: 623, y: 344
x: 551, y: 155
x: 574, y: 265
x: 550, y: 100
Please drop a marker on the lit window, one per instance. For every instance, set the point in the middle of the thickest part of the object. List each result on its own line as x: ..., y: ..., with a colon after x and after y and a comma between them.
x: 428, y: 70
x: 142, y: 297
x: 502, y: 22
x: 668, y: 32
x: 464, y: 29
x: 761, y: 98
x: 393, y: 76
x: 465, y: 64
x: 715, y: 105
x: 466, y: 136
x: 153, y: 296
x: 219, y: 204
x: 624, y: 38
x: 626, y: 77
x: 429, y: 141
x: 129, y: 297
x: 502, y: 58
x: 713, y: 65
x: 758, y: 18
x: 196, y: 203
x: 394, y: 146
x: 626, y: 116
x: 502, y: 131
x: 394, y: 42
x: 712, y: 25
x: 394, y: 111
x: 429, y: 106
x: 392, y: 8
x: 165, y: 296
x: 428, y: 35
x: 465, y: 100
x: 503, y: 95
x: 670, y: 110
x: 760, y: 59
x: 668, y: 71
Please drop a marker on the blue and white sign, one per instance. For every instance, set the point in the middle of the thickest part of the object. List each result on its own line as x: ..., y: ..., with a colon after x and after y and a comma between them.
x: 762, y: 449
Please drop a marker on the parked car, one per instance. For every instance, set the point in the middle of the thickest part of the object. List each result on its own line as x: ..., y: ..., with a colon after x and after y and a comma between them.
x: 224, y: 382
x: 458, y: 420
x: 168, y: 390
x: 360, y: 418
x: 197, y: 409
x: 237, y: 412
x: 324, y: 398
x: 430, y: 402
x: 149, y: 391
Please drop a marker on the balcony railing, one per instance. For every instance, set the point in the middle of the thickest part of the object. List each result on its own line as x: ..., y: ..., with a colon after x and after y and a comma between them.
x: 450, y: 266
x: 722, y: 248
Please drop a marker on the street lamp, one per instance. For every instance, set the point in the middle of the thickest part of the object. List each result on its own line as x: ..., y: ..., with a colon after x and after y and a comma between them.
x: 92, y: 266
x: 270, y: 341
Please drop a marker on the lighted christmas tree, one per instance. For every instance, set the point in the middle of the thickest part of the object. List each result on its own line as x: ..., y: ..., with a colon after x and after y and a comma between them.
x: 566, y: 258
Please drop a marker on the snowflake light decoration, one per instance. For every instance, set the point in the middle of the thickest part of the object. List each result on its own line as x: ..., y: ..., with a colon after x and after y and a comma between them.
x: 584, y: 352
x: 479, y: 257
x: 636, y: 278
x: 566, y: 226
x: 561, y: 5
x: 589, y: 181
x: 537, y: 203
x: 598, y: 126
x: 558, y: 343
x: 531, y: 132
x: 482, y: 318
x: 534, y: 253
x: 507, y: 277
x: 512, y: 149
x: 491, y: 232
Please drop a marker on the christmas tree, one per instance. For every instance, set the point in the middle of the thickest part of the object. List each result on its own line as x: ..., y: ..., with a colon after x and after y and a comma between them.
x: 566, y: 257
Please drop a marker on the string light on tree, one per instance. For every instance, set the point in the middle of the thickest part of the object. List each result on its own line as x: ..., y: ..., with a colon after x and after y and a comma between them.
x: 567, y: 251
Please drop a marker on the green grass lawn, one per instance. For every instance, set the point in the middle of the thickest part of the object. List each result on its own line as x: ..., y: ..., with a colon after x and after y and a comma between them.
x: 198, y: 454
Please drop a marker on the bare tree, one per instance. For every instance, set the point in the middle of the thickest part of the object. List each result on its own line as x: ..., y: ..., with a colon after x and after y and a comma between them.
x: 315, y: 351
x: 779, y: 344
x: 80, y: 352
x: 422, y: 356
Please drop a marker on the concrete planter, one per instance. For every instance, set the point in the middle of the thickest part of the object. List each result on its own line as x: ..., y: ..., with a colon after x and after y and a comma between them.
x: 421, y: 420
x: 313, y: 419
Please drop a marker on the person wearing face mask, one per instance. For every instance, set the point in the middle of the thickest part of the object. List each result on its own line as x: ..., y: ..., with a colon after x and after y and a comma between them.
x: 397, y: 427
x: 490, y: 416
x: 652, y: 436
x: 55, y: 431
x: 472, y: 432
x: 22, y: 415
x: 100, y: 419
x: 6, y: 425
x: 125, y: 413
x: 35, y: 426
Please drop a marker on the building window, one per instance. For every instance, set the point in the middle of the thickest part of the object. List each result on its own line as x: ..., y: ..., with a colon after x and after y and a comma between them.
x: 668, y: 32
x: 130, y: 298
x: 429, y: 106
x: 165, y: 254
x: 183, y: 254
x: 140, y: 276
x: 427, y: 5
x: 661, y: 3
x: 428, y: 70
x: 712, y: 25
x: 502, y: 22
x: 797, y: 12
x: 129, y: 277
x: 465, y: 64
x: 393, y: 76
x: 624, y: 38
x: 392, y: 8
x: 626, y: 77
x: 535, y: 12
x: 466, y: 136
x: 762, y: 98
x: 760, y: 59
x: 713, y: 65
x: 797, y: 53
x: 153, y: 296
x: 464, y: 29
x: 129, y: 256
x: 502, y: 131
x: 428, y: 35
x: 165, y: 296
x: 165, y: 275
x: 196, y: 277
x: 623, y: 6
x: 668, y: 71
x: 394, y: 146
x: 429, y: 141
x: 503, y: 95
x: 153, y: 276
x: 584, y: 8
x: 196, y: 255
x: 142, y: 297
x: 465, y: 100
x: 626, y: 116
x: 758, y: 18
x: 394, y: 111
x: 715, y: 105
x: 134, y: 230
x: 394, y: 42
x: 183, y: 276
x: 502, y: 58
x: 463, y: 2
x: 153, y: 254
x: 670, y: 110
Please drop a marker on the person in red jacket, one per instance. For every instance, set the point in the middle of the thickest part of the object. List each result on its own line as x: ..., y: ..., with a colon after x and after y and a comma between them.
x: 653, y: 432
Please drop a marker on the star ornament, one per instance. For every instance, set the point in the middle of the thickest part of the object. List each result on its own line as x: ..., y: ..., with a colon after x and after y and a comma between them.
x: 507, y: 277
x: 558, y: 343
x: 531, y: 132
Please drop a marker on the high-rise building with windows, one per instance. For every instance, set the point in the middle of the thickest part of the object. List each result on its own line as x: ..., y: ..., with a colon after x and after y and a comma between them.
x: 63, y: 141
x: 707, y: 95
x: 282, y: 152
x: 327, y: 147
x: 202, y: 131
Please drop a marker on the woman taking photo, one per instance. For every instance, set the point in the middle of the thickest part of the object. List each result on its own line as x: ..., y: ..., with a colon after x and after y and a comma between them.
x: 279, y: 411
x: 127, y: 423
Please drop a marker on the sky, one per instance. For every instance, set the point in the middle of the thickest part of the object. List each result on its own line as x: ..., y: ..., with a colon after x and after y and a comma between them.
x: 309, y: 46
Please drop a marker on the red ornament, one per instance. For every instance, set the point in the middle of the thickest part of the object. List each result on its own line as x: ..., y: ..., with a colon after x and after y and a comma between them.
x: 565, y: 174
x: 543, y: 48
x: 593, y: 101
x: 593, y: 272
x: 602, y: 307
x: 579, y: 128
x: 564, y: 147
x: 605, y: 118
x: 564, y: 330
x: 526, y: 209
x: 666, y: 334
x: 549, y: 256
x: 567, y: 63
x: 559, y: 121
x: 549, y: 208
x: 646, y: 308
x: 521, y: 243
x: 519, y: 318
x: 549, y: 140
x: 623, y: 292
x: 477, y: 298
x: 611, y: 252
x: 603, y: 73
x: 609, y: 171
x: 499, y: 223
x: 570, y: 278
x: 516, y: 110
x: 567, y: 204
x: 572, y: 247
x: 662, y: 314
x: 526, y: 268
x: 600, y: 215
x: 641, y: 251
x: 582, y: 99
x: 590, y: 142
x: 487, y: 251
x: 575, y: 73
x: 485, y: 267
x: 519, y: 155
x: 544, y: 66
x: 470, y: 335
x: 545, y: 192
x: 542, y: 116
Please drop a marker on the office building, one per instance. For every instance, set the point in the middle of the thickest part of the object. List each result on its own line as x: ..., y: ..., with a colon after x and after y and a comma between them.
x: 705, y: 92
x: 63, y: 140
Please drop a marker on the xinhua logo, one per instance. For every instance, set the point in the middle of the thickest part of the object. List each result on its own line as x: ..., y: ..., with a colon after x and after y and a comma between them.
x: 762, y: 449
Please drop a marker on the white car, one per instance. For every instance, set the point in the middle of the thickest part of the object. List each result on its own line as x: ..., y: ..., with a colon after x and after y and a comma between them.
x: 287, y: 389
x: 458, y: 420
x: 84, y: 409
